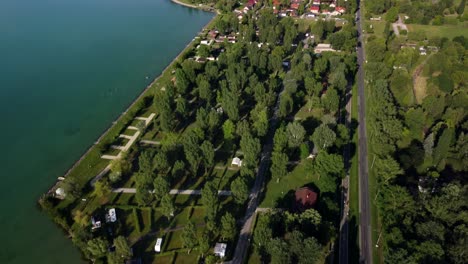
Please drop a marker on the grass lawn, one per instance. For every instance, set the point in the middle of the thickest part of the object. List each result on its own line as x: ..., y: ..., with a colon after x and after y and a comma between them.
x: 448, y: 31
x: 254, y: 257
x: 375, y: 226
x: 354, y: 191
x: 378, y: 27
x: 303, y: 113
x: 174, y: 240
x: 293, y: 180
x: 186, y: 258
x: 163, y: 259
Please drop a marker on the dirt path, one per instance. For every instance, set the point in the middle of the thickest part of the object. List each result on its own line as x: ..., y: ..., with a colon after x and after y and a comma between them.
x: 419, y: 91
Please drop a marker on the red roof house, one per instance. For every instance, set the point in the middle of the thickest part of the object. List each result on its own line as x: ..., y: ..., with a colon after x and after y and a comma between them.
x: 340, y: 9
x: 315, y: 9
x: 306, y: 198
x: 295, y: 6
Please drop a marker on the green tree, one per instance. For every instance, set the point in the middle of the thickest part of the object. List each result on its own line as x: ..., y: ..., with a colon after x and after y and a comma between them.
x: 208, y: 152
x: 209, y: 198
x: 122, y: 249
x: 97, y: 247
x: 71, y: 188
x: 228, y: 130
x: 331, y: 100
x: 279, y: 163
x: 189, y: 237
x: 204, y: 242
x: 262, y: 233
x: 161, y: 187
x: 278, y: 250
x: 280, y: 139
x: 392, y: 14
x: 443, y: 146
x: 228, y: 227
x: 295, y: 133
x: 311, y: 216
x: 251, y: 148
x: 325, y: 164
x: 461, y: 7
x: 260, y: 122
x: 387, y: 169
x: 323, y: 137
x: 167, y: 206
x: 239, y: 190
x: 311, y: 251
x: 102, y: 189
x: 145, y: 161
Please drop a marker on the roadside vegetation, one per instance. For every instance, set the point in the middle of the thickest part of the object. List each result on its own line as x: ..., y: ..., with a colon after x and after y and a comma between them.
x: 418, y: 98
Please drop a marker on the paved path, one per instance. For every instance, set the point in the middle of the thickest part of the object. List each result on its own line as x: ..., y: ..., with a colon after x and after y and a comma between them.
x: 365, y: 238
x: 243, y: 242
x: 399, y: 25
x: 173, y: 191
x: 344, y: 225
x: 100, y: 175
x: 150, y: 142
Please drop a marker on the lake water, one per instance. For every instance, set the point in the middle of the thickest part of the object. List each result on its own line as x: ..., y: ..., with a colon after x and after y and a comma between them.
x: 67, y: 69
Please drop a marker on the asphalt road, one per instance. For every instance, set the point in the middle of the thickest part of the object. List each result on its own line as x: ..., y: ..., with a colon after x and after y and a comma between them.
x: 245, y: 235
x: 344, y: 224
x: 365, y: 230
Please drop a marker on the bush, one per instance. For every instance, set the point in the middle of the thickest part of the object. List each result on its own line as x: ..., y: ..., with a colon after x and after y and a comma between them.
x: 445, y: 83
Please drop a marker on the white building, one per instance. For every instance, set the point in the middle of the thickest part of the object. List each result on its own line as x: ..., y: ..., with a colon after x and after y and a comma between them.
x: 220, y: 249
x: 237, y: 162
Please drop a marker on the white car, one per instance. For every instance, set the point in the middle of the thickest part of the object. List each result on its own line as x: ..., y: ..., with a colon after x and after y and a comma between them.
x: 112, y: 215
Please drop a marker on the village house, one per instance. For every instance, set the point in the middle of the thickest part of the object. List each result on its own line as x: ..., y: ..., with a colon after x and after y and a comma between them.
x: 236, y: 162
x: 305, y: 198
x: 315, y: 9
x: 220, y: 250
x: 323, y: 47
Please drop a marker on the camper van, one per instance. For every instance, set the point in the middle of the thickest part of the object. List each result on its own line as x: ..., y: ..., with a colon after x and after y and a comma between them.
x: 157, y: 247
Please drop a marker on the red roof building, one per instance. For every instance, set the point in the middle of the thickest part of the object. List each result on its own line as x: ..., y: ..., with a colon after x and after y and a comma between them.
x: 315, y: 9
x: 295, y: 6
x: 340, y: 9
x: 306, y: 198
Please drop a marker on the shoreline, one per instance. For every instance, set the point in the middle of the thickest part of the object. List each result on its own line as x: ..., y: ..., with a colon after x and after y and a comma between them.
x: 201, y: 7
x: 138, y: 98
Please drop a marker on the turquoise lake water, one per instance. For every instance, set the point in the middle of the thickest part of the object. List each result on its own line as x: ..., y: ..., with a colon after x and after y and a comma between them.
x: 67, y: 69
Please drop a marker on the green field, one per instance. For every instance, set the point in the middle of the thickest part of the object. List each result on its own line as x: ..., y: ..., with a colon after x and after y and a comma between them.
x: 293, y: 180
x: 448, y: 31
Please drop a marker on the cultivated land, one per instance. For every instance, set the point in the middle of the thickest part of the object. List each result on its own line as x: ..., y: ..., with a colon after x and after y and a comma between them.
x: 170, y: 165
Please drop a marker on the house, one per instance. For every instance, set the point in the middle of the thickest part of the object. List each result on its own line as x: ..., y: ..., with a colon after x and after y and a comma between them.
x: 111, y: 216
x: 323, y: 47
x: 305, y: 198
x: 95, y: 223
x: 206, y: 42
x: 316, y: 2
x: 315, y: 9
x: 60, y: 193
x: 295, y: 6
x: 212, y: 34
x: 220, y: 250
x: 376, y: 18
x: 332, y: 4
x: 422, y: 51
x: 157, y: 246
x: 326, y: 12
x: 237, y: 162
x: 340, y: 9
